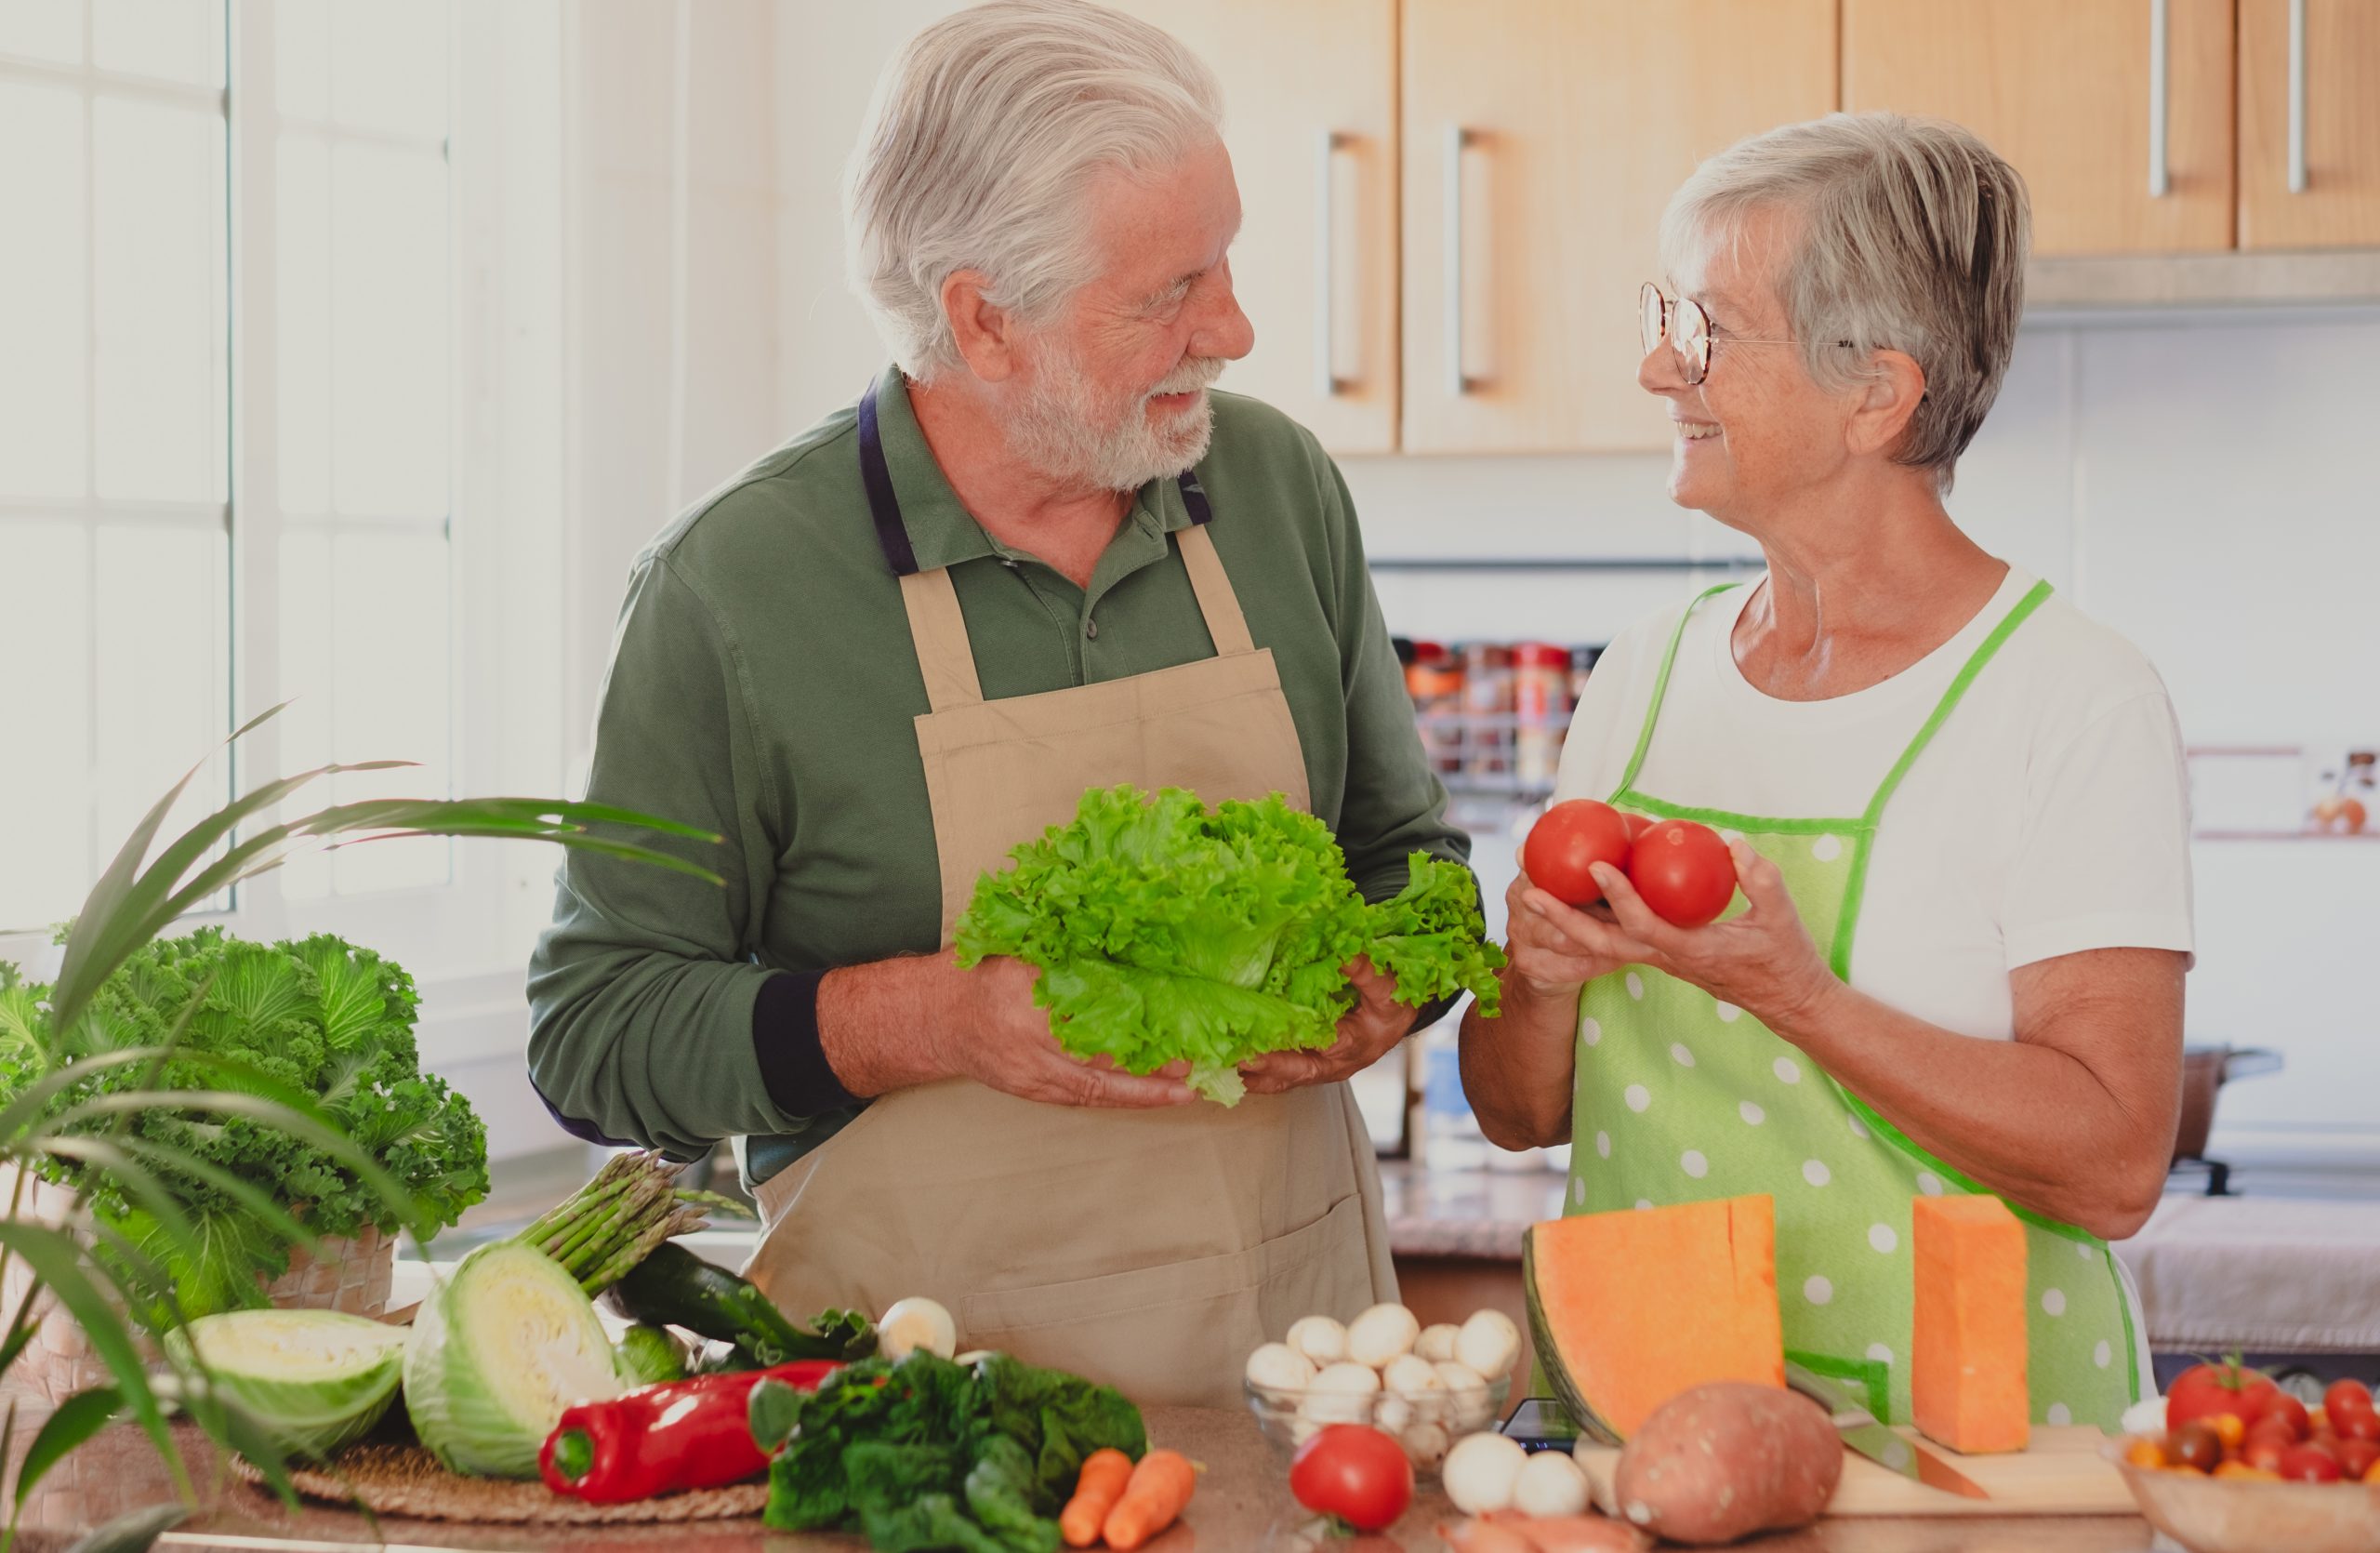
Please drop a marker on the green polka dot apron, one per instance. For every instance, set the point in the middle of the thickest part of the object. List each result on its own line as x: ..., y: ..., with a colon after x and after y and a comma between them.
x: 1683, y: 1098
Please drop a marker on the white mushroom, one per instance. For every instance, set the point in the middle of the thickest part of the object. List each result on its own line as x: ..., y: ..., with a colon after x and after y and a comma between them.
x: 1468, y: 1403
x: 1391, y: 1415
x: 1489, y: 1343
x: 1426, y: 1446
x: 1411, y: 1375
x: 1436, y: 1342
x: 1320, y: 1339
x: 1550, y: 1483
x: 1278, y: 1367
x: 1381, y: 1333
x: 914, y: 1323
x: 1480, y: 1472
x: 1342, y: 1393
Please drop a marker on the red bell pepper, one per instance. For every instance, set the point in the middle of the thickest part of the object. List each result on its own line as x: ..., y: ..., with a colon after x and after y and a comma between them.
x: 659, y: 1439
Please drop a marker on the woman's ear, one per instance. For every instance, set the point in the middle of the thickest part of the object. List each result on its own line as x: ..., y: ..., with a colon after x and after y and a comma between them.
x: 986, y: 335
x: 1886, y: 404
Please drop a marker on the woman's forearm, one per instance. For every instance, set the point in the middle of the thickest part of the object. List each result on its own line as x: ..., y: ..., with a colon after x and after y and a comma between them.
x: 2030, y: 1121
x: 1518, y: 1068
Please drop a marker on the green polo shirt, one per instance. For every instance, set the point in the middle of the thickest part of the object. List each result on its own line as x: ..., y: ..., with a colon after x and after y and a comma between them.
x: 763, y: 684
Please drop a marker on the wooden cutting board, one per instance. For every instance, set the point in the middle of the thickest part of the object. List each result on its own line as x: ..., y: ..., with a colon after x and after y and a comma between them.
x: 2060, y: 1473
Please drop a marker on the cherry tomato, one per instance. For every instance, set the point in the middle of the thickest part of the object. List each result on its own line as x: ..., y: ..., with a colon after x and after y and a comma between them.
x: 1360, y: 1474
x: 2265, y: 1453
x: 1683, y: 871
x: 2195, y: 1446
x: 2228, y: 1429
x: 2357, y: 1456
x: 1568, y: 840
x: 2282, y: 1408
x: 2304, y: 1464
x: 2359, y: 1426
x: 2207, y: 1389
x: 2347, y: 1397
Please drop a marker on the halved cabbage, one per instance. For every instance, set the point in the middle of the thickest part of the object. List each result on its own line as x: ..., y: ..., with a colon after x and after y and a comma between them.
x: 498, y: 1351
x: 315, y: 1379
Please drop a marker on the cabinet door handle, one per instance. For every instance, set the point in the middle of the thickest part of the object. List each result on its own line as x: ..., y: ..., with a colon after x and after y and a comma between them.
x: 1458, y: 381
x: 2160, y: 116
x: 1326, y: 265
x: 2296, y: 97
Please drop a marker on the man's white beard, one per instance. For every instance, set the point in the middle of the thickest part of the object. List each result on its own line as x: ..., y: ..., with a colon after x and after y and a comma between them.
x: 1065, y: 433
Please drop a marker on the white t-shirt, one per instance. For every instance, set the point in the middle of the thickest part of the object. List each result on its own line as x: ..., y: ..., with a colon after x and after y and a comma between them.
x: 2049, y: 815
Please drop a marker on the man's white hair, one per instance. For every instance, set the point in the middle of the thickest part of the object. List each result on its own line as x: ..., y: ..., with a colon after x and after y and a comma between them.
x: 985, y: 132
x: 1910, y: 235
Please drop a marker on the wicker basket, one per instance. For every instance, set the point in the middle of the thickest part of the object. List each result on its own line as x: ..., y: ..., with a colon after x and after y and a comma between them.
x: 350, y: 1275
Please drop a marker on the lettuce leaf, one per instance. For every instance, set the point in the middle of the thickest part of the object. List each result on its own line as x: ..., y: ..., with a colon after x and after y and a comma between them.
x: 1167, y: 932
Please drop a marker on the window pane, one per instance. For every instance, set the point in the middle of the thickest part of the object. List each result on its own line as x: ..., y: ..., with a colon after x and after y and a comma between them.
x: 388, y: 65
x: 302, y: 323
x: 301, y: 58
x: 389, y: 638
x: 163, y: 619
x: 46, y: 789
x: 159, y: 288
x: 43, y: 29
x: 308, y: 675
x: 179, y: 40
x: 389, y: 396
x: 44, y: 298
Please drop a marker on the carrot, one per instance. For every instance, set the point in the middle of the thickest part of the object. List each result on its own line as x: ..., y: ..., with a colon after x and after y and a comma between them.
x: 1101, y: 1484
x: 1161, y: 1485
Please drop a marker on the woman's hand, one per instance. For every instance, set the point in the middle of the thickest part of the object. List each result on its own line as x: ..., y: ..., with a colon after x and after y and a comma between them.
x: 1761, y: 962
x: 1546, y: 961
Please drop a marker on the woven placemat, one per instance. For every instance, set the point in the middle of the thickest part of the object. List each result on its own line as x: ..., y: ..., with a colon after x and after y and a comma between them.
x: 406, y: 1480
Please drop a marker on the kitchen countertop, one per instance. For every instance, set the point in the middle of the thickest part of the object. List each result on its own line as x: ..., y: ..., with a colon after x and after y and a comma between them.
x: 1243, y: 1504
x: 1477, y: 1214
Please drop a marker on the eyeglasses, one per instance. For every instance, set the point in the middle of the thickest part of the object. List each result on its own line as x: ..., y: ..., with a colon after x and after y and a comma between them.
x: 1687, y: 328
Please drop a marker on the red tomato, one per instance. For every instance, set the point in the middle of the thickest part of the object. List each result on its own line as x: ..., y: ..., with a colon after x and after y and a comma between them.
x: 2206, y: 1390
x: 1637, y: 826
x: 1356, y: 1473
x: 2265, y: 1451
x: 2356, y: 1456
x: 1567, y: 840
x: 1683, y: 871
x: 2304, y: 1464
x: 2345, y: 1396
x: 2358, y: 1425
x: 2282, y: 1408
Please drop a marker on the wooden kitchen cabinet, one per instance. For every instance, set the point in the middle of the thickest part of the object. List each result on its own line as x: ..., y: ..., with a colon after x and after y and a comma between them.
x: 1542, y: 139
x: 2063, y: 89
x: 2338, y: 204
x: 1310, y: 119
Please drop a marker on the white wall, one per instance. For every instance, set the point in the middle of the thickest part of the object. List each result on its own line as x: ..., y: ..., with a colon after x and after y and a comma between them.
x: 2200, y: 484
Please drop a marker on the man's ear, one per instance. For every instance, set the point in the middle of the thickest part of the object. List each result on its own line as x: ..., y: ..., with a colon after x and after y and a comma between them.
x: 986, y: 335
x: 1886, y: 404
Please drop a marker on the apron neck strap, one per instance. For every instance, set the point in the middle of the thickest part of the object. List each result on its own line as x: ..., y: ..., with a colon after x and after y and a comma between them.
x: 1985, y: 652
x: 1661, y: 688
x: 940, y: 632
x: 1226, y: 622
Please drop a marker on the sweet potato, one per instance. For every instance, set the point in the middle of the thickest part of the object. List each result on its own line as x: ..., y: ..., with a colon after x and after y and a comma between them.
x: 1505, y: 1532
x: 1726, y: 1460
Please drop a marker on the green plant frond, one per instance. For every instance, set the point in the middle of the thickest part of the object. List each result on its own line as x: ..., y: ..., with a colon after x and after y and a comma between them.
x: 21, y: 1115
x: 77, y: 1419
x: 57, y: 1260
x: 247, y: 1194
x: 268, y: 1113
x: 87, y: 962
x: 134, y: 1532
x: 135, y: 1179
x: 576, y: 840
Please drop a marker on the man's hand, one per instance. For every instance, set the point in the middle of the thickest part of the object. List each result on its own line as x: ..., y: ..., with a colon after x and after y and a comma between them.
x: 897, y: 1023
x: 1375, y: 1024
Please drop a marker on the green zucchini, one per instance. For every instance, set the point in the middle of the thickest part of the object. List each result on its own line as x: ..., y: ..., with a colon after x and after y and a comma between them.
x: 674, y: 1287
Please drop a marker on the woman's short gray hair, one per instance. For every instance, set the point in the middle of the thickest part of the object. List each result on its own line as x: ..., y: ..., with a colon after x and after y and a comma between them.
x: 982, y: 136
x: 1912, y: 236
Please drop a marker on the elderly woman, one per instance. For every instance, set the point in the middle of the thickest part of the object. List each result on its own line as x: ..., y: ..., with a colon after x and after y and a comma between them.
x: 1956, y: 805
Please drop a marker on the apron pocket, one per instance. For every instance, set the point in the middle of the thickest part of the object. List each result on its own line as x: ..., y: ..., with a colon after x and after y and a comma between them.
x: 1180, y: 1332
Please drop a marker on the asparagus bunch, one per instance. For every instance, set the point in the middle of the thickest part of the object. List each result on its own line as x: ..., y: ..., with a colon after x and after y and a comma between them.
x: 615, y: 1220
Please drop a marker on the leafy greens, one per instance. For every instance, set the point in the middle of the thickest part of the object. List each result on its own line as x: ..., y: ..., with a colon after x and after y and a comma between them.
x: 318, y: 1015
x: 925, y: 1453
x: 1166, y: 932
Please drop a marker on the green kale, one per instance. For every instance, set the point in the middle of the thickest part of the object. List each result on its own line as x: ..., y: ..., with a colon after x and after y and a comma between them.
x: 318, y: 1015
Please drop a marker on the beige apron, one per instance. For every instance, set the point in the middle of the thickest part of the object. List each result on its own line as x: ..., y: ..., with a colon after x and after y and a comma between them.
x: 1151, y: 1250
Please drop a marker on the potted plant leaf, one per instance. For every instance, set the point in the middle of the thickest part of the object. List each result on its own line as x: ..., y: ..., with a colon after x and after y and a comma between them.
x: 121, y: 1080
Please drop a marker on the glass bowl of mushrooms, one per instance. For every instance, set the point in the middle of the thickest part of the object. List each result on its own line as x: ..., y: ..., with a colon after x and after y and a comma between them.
x: 1425, y: 1387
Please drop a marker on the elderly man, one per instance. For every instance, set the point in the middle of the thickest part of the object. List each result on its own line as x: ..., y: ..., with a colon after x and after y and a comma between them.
x: 1037, y: 556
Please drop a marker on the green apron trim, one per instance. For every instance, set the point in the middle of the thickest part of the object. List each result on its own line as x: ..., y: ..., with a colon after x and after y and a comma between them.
x: 1651, y: 1022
